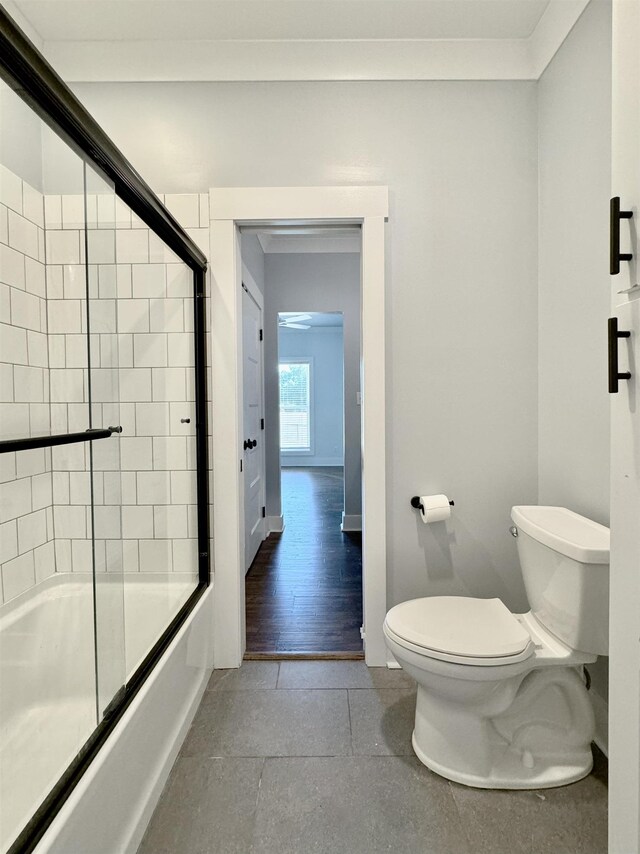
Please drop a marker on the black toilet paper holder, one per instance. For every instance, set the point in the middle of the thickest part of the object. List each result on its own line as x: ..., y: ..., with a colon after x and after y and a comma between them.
x: 417, y: 504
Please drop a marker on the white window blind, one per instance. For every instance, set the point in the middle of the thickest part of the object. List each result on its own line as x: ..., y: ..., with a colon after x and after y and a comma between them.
x: 295, y: 406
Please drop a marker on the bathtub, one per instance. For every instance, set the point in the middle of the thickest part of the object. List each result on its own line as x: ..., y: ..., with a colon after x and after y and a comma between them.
x: 49, y: 703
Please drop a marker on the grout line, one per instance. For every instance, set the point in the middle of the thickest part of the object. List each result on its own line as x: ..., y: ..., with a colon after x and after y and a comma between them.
x: 350, y: 723
x: 463, y: 824
x: 264, y: 762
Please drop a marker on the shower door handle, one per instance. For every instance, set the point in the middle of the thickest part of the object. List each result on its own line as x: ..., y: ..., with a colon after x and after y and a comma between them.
x: 53, y: 441
x: 614, y: 373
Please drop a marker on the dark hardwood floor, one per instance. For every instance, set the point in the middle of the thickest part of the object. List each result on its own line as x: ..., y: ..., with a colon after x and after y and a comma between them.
x: 304, y: 588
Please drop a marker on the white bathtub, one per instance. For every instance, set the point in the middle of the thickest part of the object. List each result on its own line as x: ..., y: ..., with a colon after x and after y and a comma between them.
x: 48, y: 681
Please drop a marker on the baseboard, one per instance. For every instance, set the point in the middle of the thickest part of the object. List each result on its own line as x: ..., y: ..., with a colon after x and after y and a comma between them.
x: 351, y: 523
x: 601, y: 714
x: 392, y: 664
x: 275, y: 524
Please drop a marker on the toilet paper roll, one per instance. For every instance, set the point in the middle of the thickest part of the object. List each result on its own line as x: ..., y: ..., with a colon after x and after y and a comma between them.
x: 435, y: 508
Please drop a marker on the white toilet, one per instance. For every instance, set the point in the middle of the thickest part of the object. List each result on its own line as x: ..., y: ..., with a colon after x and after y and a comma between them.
x: 502, y: 701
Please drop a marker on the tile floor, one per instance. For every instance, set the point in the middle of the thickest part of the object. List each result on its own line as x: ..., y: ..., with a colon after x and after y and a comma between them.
x: 294, y: 757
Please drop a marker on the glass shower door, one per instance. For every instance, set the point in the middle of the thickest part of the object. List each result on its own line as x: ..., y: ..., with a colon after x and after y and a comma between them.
x: 103, y: 394
x: 104, y: 543
x: 155, y: 315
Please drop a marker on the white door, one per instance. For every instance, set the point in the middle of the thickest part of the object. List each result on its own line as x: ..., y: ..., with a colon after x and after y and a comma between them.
x: 624, y: 649
x: 253, y: 433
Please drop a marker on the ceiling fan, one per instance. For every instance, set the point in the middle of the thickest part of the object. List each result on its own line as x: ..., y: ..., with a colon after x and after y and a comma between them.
x: 291, y: 320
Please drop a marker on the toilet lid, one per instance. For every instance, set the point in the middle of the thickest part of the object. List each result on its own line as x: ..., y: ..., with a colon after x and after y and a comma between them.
x: 459, y: 626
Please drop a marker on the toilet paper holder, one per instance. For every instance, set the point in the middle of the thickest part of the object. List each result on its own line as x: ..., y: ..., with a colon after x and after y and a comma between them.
x: 417, y: 504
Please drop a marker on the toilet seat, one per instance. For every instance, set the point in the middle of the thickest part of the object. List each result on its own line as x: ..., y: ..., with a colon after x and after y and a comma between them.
x: 479, y: 632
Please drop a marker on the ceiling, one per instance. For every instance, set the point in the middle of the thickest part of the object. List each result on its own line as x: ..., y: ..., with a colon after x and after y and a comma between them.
x: 317, y: 319
x: 278, y: 40
x: 152, y: 20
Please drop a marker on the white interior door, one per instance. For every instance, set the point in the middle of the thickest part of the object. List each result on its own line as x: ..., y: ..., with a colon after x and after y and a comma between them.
x: 624, y: 649
x: 253, y: 444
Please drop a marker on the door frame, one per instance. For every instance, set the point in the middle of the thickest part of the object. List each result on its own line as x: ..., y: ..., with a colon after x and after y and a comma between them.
x: 229, y: 208
x: 253, y: 292
x: 624, y: 585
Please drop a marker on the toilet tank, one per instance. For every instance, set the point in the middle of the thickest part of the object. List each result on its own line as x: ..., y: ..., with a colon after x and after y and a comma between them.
x: 565, y: 565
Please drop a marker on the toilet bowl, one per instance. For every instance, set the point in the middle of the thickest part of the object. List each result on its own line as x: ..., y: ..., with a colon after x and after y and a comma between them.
x: 501, y: 699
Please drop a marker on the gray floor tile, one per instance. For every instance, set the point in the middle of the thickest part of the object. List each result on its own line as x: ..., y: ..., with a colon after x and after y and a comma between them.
x: 270, y: 723
x: 382, y: 722
x: 208, y: 807
x: 383, y: 677
x: 568, y: 820
x: 356, y: 805
x: 340, y: 674
x: 251, y: 675
x: 319, y: 798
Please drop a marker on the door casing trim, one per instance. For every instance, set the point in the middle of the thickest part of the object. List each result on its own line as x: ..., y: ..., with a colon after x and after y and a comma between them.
x: 229, y: 208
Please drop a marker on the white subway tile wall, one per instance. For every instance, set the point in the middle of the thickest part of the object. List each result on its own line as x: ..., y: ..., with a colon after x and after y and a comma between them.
x: 26, y: 486
x: 145, y: 296
x: 140, y: 319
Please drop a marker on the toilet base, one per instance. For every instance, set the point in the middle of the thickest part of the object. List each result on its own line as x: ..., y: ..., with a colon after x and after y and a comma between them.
x: 511, y: 775
x: 522, y: 733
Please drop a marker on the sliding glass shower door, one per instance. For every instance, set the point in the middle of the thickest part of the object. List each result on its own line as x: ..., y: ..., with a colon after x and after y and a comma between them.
x: 103, y: 456
x: 103, y: 398
x: 62, y: 610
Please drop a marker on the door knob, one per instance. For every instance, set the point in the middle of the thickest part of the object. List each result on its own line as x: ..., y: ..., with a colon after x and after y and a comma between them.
x: 254, y: 443
x: 247, y: 444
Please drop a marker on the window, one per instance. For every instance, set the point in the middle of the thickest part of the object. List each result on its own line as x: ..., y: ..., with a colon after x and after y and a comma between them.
x: 295, y: 406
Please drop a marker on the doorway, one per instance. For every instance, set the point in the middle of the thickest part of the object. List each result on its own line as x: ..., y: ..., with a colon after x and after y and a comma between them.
x: 231, y: 208
x: 304, y: 588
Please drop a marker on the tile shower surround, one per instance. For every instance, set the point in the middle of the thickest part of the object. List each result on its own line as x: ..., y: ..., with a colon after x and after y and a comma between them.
x: 26, y: 515
x: 141, y: 317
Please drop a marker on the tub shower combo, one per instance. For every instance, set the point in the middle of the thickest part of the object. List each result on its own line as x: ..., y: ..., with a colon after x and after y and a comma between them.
x: 104, y: 543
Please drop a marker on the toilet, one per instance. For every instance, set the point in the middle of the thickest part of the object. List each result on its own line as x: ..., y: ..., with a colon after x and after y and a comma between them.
x: 502, y: 700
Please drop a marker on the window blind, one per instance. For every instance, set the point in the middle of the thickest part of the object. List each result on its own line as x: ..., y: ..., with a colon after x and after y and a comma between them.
x: 295, y: 406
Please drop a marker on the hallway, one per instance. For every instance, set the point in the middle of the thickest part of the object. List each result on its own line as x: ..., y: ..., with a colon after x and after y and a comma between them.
x: 304, y: 588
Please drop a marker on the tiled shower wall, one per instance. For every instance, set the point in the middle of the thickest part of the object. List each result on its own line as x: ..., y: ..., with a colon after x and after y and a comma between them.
x: 141, y: 323
x: 26, y: 535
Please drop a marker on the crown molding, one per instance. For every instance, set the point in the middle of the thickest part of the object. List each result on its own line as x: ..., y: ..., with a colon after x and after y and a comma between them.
x: 27, y: 28
x: 318, y: 60
x: 553, y: 28
x: 295, y: 61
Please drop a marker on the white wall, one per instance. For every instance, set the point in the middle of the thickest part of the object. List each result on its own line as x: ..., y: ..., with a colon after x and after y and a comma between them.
x: 314, y: 282
x: 574, y: 108
x: 21, y: 138
x: 460, y: 160
x: 253, y: 258
x: 324, y: 346
x: 574, y: 130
